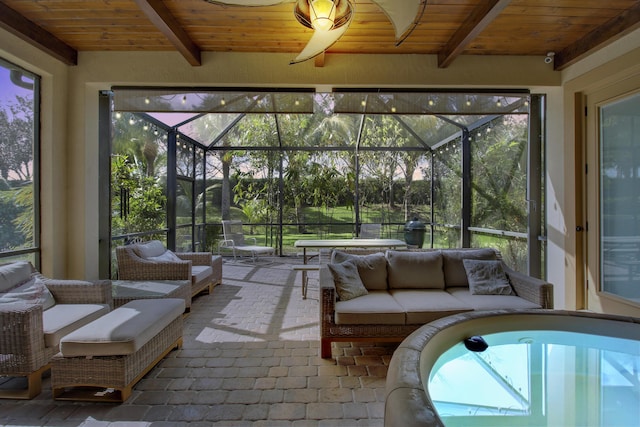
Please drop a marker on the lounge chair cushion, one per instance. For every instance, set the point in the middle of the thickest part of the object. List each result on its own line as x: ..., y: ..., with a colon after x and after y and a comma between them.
x: 124, y: 330
x: 13, y: 274
x: 61, y: 319
x: 415, y: 270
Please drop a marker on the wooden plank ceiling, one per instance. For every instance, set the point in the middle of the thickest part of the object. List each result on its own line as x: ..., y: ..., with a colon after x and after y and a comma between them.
x: 571, y: 29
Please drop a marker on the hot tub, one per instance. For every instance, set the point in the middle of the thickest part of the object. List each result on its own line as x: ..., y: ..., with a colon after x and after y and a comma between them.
x: 540, y: 369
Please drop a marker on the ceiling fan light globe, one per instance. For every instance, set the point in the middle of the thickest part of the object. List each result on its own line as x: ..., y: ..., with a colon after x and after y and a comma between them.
x: 322, y: 14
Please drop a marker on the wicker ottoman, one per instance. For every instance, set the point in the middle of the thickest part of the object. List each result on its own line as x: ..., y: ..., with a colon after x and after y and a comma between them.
x: 104, y: 359
x: 128, y: 290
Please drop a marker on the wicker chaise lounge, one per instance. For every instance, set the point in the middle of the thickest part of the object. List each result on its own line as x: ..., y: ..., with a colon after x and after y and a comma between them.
x: 104, y: 359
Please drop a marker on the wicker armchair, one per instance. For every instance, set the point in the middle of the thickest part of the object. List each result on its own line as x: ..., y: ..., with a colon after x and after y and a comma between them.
x: 201, y: 268
x: 28, y: 342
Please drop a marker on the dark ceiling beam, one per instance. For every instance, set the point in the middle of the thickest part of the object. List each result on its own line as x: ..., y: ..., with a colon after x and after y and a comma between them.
x: 607, y: 33
x: 37, y: 36
x: 162, y: 18
x: 477, y: 21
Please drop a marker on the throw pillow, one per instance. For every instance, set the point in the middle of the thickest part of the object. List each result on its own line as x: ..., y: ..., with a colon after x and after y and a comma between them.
x: 487, y: 277
x: 167, y: 256
x: 32, y: 292
x: 347, y: 280
x: 372, y: 268
x: 454, y: 273
x: 13, y: 274
x: 150, y: 249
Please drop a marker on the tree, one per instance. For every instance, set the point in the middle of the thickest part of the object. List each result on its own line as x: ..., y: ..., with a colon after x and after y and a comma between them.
x: 140, y: 199
x: 16, y: 140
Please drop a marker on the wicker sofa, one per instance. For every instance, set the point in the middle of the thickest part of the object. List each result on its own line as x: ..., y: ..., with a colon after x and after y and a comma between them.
x: 35, y: 313
x: 152, y: 261
x: 407, y: 289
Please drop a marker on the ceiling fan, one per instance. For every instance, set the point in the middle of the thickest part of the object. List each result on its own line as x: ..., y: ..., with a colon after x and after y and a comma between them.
x: 330, y: 19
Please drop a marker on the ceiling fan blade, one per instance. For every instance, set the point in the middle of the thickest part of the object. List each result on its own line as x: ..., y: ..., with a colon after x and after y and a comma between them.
x: 320, y: 41
x: 249, y: 2
x: 403, y: 14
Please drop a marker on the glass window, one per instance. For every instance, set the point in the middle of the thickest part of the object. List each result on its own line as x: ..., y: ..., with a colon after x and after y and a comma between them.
x: 19, y: 167
x: 620, y: 197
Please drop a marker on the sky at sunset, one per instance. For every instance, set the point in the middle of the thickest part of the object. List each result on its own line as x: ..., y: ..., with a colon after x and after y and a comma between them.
x: 8, y: 90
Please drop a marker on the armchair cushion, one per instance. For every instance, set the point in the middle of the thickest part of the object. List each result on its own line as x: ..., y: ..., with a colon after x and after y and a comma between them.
x: 13, y: 274
x: 33, y: 291
x: 167, y: 256
x: 200, y: 272
x: 152, y: 248
x: 62, y: 319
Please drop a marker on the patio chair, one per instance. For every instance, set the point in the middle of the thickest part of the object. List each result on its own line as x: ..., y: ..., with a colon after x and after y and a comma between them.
x: 152, y: 261
x: 35, y: 313
x: 235, y: 240
x: 370, y: 231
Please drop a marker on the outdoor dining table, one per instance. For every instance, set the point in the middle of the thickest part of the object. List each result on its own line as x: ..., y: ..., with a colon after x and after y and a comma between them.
x: 334, y: 244
x: 347, y: 243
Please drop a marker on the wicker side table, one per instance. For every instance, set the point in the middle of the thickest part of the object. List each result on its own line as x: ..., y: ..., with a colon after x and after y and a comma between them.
x: 128, y: 290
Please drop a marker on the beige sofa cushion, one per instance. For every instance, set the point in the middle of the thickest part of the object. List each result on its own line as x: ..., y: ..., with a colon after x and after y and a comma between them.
x: 415, y: 270
x: 124, y: 330
x: 454, y: 272
x: 491, y: 302
x: 61, y: 319
x: 372, y: 268
x: 427, y: 305
x: 375, y: 308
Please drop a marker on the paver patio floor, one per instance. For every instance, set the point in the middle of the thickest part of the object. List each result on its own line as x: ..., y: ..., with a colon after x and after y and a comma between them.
x: 250, y: 358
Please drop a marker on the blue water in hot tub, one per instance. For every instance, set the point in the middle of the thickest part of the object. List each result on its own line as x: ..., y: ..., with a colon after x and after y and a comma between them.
x: 539, y: 378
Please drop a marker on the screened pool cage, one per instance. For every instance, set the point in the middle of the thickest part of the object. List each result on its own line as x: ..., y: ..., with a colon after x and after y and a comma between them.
x: 306, y: 165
